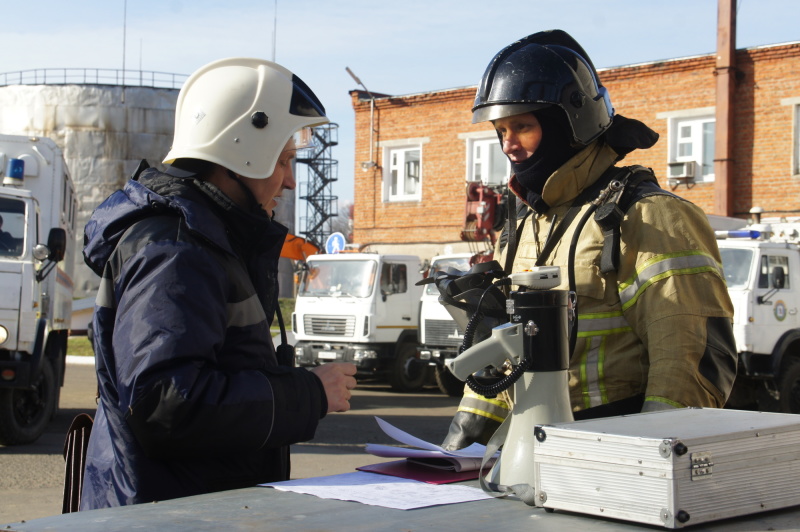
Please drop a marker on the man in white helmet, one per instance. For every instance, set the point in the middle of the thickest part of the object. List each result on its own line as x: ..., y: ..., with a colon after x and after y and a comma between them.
x: 193, y: 397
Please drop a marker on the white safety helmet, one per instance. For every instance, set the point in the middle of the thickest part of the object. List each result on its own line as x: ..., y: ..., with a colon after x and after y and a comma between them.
x: 239, y: 113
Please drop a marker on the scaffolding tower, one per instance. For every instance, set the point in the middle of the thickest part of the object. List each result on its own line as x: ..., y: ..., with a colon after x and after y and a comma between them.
x: 323, y: 170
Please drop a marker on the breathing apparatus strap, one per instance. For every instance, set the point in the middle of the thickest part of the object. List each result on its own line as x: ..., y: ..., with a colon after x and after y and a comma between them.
x: 511, y: 229
x: 525, y: 492
x: 609, y: 215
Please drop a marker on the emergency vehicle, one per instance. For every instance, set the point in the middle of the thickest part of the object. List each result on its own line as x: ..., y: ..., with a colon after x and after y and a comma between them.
x: 361, y: 308
x: 37, y: 245
x: 762, y: 269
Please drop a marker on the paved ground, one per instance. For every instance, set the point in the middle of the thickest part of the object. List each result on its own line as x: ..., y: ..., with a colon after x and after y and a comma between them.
x: 32, y: 475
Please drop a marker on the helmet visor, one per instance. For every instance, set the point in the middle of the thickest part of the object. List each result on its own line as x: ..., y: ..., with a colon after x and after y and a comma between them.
x: 304, y: 102
x: 493, y: 112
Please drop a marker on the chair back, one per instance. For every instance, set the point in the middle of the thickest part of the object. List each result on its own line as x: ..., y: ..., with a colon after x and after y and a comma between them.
x: 75, y: 447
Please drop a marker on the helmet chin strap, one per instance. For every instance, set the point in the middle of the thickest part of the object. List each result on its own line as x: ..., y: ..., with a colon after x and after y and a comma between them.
x: 254, y: 204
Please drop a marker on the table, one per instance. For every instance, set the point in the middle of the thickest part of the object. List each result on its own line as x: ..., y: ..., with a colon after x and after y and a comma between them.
x: 260, y: 508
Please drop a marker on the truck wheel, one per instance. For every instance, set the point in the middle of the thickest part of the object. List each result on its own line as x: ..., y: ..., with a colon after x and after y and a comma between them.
x: 789, y: 386
x: 24, y: 414
x: 449, y: 383
x: 408, y: 373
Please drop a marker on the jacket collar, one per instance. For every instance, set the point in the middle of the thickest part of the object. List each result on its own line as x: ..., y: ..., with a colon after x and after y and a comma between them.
x: 574, y: 176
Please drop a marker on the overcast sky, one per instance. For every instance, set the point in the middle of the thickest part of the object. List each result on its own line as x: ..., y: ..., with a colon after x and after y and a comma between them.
x: 399, y: 47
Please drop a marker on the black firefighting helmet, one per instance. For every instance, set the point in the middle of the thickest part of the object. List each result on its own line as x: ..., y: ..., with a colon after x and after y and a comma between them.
x: 545, y: 69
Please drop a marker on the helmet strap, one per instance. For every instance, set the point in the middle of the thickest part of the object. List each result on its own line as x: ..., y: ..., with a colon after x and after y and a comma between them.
x: 254, y: 204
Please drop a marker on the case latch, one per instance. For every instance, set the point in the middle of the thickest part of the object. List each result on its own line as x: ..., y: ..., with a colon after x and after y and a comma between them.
x: 702, y: 466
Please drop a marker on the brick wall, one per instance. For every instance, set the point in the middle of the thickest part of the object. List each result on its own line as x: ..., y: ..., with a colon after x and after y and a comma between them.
x: 762, y: 141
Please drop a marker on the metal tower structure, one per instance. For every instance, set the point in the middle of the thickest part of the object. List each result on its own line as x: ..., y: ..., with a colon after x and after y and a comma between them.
x: 321, y: 204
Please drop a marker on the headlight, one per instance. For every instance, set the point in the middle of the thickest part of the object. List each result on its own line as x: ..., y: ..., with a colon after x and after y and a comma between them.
x: 3, y: 335
x: 361, y: 354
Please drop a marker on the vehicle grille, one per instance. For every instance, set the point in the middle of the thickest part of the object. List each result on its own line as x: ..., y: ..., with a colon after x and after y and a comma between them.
x: 329, y: 325
x: 442, y: 333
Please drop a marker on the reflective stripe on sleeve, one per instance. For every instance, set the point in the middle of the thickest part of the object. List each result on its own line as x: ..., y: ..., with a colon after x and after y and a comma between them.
x: 592, y: 372
x: 595, y: 328
x: 602, y: 324
x: 479, y: 405
x: 664, y: 266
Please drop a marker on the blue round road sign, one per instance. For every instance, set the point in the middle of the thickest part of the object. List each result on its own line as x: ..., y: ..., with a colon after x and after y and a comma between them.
x: 335, y: 243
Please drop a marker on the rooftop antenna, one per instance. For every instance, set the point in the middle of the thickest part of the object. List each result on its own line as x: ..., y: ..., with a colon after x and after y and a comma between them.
x: 274, y: 30
x: 124, y: 31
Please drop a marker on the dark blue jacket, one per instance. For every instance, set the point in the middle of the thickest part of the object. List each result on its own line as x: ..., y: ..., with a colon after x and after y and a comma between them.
x: 192, y: 397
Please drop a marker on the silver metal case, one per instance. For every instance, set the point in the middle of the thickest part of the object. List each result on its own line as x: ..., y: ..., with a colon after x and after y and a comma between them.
x: 672, y: 468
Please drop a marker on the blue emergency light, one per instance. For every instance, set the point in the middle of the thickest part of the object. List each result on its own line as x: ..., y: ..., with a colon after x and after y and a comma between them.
x: 15, y: 170
x: 739, y: 233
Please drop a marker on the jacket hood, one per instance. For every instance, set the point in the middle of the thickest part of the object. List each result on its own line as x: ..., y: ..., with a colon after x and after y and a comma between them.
x: 153, y: 193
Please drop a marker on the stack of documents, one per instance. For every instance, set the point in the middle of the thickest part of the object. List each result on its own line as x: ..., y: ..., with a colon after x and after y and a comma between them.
x: 425, y: 461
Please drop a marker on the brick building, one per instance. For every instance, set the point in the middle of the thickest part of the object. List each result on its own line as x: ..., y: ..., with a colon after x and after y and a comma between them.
x: 425, y: 148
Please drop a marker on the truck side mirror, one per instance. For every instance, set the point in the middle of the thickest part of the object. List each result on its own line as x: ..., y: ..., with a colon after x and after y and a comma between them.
x: 57, y: 243
x: 778, y: 282
x: 778, y: 278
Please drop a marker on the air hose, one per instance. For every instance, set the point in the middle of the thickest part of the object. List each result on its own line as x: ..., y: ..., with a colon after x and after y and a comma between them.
x: 490, y: 390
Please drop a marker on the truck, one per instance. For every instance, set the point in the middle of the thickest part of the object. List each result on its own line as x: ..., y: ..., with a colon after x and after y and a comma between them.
x: 440, y: 335
x: 361, y: 308
x: 761, y: 263
x: 37, y: 200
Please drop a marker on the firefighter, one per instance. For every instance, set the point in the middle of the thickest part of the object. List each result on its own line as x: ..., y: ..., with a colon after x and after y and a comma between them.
x: 654, y: 316
x: 193, y: 395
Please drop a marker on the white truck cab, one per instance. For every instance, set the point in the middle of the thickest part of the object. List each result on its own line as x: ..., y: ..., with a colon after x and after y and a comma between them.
x: 37, y: 243
x: 762, y: 269
x: 361, y: 308
x: 440, y: 335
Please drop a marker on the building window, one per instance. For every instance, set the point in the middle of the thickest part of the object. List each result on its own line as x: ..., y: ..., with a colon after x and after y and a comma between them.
x: 794, y: 104
x: 796, y: 141
x: 486, y: 161
x: 402, y: 169
x: 489, y: 164
x: 693, y: 143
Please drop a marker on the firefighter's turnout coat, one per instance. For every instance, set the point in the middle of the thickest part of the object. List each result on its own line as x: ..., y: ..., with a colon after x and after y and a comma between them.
x: 655, y: 329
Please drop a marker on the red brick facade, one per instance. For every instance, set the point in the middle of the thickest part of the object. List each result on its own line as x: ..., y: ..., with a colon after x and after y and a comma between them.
x: 763, y: 141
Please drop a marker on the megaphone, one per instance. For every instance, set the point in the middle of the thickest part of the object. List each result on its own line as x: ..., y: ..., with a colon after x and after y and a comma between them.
x: 535, y: 341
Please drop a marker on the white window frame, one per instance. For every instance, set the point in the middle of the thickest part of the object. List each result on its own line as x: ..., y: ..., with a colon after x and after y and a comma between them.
x: 699, y: 122
x: 395, y: 153
x: 476, y: 143
x: 794, y: 103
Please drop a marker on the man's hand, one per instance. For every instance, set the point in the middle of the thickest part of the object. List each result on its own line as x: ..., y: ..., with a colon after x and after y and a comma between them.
x: 337, y: 379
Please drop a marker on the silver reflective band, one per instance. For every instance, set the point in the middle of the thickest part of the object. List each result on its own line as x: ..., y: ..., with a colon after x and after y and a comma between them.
x: 663, y: 266
x: 245, y: 313
x: 601, y: 324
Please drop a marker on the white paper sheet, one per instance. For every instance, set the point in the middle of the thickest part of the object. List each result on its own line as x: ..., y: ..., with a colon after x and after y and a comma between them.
x: 476, y: 450
x: 381, y: 490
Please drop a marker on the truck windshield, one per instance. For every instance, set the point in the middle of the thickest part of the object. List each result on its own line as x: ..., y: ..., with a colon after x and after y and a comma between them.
x: 737, y: 264
x: 458, y: 263
x: 348, y: 278
x: 12, y: 227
